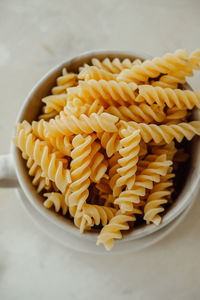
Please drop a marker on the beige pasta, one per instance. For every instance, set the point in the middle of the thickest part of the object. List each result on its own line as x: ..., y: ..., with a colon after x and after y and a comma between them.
x: 110, y: 141
x: 66, y: 125
x: 138, y: 113
x: 179, y: 98
x: 65, y: 81
x: 113, y: 230
x: 57, y: 200
x: 153, y: 68
x: 115, y: 66
x: 91, y: 215
x: 130, y: 140
x: 143, y: 181
x: 104, y: 151
x: 157, y: 197
x: 80, y: 172
x: 109, y: 92
x: 157, y: 133
x: 52, y: 167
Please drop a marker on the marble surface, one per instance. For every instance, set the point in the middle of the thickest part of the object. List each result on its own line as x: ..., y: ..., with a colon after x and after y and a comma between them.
x: 34, y: 36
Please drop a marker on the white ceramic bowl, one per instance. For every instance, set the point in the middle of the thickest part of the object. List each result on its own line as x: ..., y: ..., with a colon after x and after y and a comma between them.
x: 29, y: 112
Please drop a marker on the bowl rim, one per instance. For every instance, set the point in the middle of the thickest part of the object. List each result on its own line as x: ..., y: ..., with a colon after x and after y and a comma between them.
x: 31, y: 193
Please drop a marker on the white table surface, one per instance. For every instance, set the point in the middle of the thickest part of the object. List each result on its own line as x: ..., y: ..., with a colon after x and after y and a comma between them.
x: 34, y: 36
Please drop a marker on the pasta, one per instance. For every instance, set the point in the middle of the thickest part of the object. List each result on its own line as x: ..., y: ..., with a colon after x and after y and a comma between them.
x: 153, y: 68
x: 95, y: 73
x: 80, y: 172
x: 109, y: 143
x: 65, y: 81
x: 57, y: 200
x: 130, y: 140
x: 113, y: 230
x: 138, y: 113
x: 178, y: 98
x: 143, y: 181
x: 108, y: 92
x: 64, y: 125
x: 157, y: 197
x: 115, y: 66
x: 42, y: 154
x: 93, y: 215
x: 167, y: 132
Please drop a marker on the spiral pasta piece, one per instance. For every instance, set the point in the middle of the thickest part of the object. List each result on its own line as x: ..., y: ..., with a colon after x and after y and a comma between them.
x: 138, y: 113
x: 153, y: 68
x: 157, y: 133
x: 77, y: 107
x: 62, y: 143
x: 179, y: 77
x: 108, y: 92
x: 157, y: 197
x: 91, y: 215
x: 57, y: 200
x: 54, y: 103
x: 69, y: 125
x: 41, y: 153
x: 113, y: 230
x: 143, y: 181
x: 114, y: 175
x: 65, y: 81
x: 178, y: 98
x: 109, y: 141
x: 35, y: 171
x: 115, y: 66
x: 95, y: 73
x: 175, y: 115
x: 98, y: 163
x: 80, y: 172
x: 129, y: 157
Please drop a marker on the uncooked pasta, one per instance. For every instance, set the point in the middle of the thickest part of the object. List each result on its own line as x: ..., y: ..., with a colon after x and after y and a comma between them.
x: 106, y: 149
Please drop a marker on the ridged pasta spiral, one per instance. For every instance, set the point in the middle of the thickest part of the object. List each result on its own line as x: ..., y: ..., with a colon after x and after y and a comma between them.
x: 68, y: 125
x: 175, y: 115
x: 52, y: 167
x: 115, y: 66
x: 157, y: 197
x: 77, y: 107
x: 157, y: 133
x: 54, y: 103
x: 80, y: 172
x: 143, y: 181
x: 138, y: 113
x: 109, y: 141
x: 109, y: 92
x: 35, y: 171
x: 130, y: 140
x: 65, y: 81
x: 179, y: 77
x: 98, y: 164
x: 95, y: 73
x: 153, y: 68
x: 178, y: 98
x: 113, y: 230
x: 91, y: 215
x: 62, y: 143
x: 57, y: 200
x: 114, y: 175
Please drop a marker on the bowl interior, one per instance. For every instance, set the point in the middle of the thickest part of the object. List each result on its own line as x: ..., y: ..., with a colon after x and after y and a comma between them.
x: 29, y: 112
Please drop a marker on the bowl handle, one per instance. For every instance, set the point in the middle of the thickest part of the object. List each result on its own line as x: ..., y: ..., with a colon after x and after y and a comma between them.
x: 8, y: 178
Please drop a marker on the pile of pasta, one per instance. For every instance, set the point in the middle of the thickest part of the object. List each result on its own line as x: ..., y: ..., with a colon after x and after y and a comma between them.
x: 105, y: 149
